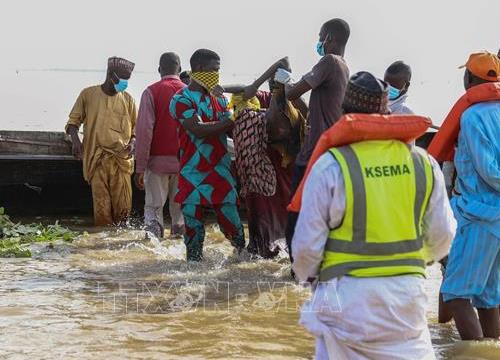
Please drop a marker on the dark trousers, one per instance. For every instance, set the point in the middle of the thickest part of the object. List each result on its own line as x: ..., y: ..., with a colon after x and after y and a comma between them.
x: 298, y: 174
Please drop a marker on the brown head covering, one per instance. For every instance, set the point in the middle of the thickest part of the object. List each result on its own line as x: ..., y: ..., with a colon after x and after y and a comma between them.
x: 117, y: 63
x: 366, y: 94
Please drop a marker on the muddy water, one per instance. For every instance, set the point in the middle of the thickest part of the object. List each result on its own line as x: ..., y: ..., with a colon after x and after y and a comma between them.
x: 115, y: 295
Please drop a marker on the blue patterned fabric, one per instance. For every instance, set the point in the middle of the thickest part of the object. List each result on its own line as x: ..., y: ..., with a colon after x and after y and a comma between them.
x: 229, y: 223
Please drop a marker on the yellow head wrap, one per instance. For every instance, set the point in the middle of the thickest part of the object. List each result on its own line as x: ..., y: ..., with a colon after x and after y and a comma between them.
x: 239, y: 104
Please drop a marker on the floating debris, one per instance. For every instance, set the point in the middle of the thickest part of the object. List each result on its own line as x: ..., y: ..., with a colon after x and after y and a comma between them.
x: 16, y: 238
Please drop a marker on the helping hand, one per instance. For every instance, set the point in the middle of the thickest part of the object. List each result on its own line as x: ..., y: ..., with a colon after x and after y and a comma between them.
x: 139, y: 180
x: 250, y: 91
x: 283, y: 63
x: 77, y: 149
x: 217, y: 91
x: 130, y: 148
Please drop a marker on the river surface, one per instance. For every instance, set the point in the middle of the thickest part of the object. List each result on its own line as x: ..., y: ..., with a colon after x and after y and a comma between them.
x: 112, y: 294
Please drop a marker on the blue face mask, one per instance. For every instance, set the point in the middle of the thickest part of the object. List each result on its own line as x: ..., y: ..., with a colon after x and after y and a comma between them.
x: 122, y: 85
x: 393, y: 93
x: 320, y: 48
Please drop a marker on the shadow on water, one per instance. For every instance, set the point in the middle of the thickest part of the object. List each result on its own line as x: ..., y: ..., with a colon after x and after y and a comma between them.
x: 114, y: 294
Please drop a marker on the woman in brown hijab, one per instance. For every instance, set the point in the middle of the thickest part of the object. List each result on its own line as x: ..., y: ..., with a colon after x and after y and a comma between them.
x: 267, y: 138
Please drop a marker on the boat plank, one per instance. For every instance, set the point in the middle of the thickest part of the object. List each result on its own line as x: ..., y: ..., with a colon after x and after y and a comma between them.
x: 34, y: 142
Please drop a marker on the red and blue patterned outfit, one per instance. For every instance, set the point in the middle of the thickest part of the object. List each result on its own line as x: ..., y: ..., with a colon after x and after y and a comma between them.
x: 205, y: 179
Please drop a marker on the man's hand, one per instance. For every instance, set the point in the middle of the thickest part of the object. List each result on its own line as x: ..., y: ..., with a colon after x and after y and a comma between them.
x: 139, y: 180
x: 77, y: 148
x: 250, y: 91
x: 76, y: 144
x: 130, y: 148
x: 231, y: 125
x: 218, y: 91
x: 283, y: 63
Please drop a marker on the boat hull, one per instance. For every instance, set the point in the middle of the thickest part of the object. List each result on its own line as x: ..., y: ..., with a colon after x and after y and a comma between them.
x: 50, y: 185
x: 38, y: 176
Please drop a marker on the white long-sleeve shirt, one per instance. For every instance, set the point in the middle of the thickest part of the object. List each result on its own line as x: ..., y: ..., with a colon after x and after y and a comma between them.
x: 323, y: 208
x: 399, y: 106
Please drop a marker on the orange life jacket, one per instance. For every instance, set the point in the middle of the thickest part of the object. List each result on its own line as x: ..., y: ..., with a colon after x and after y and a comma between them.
x: 442, y: 147
x: 353, y: 128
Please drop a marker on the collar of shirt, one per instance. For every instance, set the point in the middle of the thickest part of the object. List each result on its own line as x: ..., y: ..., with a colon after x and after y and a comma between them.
x: 400, y: 100
x: 171, y: 77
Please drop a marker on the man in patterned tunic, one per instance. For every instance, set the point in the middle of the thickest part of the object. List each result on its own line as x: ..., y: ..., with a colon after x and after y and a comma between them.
x: 205, y: 179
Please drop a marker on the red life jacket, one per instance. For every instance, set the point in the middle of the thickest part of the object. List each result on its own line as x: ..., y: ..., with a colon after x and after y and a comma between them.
x: 352, y: 128
x: 165, y: 140
x: 443, y: 145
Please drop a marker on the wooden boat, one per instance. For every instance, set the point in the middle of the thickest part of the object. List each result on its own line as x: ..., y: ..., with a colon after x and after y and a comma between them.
x: 39, y: 176
x: 425, y: 139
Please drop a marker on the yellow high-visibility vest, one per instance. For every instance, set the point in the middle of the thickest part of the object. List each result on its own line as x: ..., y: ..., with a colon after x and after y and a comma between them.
x: 387, y: 189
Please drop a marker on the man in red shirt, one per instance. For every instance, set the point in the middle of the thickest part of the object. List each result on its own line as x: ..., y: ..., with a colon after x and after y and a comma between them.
x: 157, y: 148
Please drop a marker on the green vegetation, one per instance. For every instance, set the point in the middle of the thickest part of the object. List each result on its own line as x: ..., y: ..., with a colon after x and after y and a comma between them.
x: 16, y: 238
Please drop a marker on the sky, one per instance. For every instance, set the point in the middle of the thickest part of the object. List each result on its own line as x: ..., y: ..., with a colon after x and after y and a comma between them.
x: 76, y: 37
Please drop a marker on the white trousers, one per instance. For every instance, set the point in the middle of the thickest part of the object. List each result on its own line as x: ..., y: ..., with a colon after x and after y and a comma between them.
x: 158, y: 189
x: 369, y: 319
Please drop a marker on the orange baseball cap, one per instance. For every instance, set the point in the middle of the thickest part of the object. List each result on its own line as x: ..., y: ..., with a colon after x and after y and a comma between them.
x: 484, y: 65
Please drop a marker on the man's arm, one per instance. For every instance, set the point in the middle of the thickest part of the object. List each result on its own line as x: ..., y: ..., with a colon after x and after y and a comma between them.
x: 133, y: 121
x: 133, y: 114
x: 233, y: 89
x: 323, y: 207
x: 252, y: 89
x: 76, y: 144
x: 310, y: 81
x: 482, y: 150
x: 182, y: 109
x: 144, y: 134
x: 301, y: 105
x: 439, y: 224
x: 295, y: 91
x: 76, y: 119
x: 203, y: 130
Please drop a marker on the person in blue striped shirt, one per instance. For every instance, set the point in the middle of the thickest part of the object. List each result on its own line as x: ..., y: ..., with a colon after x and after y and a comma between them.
x: 472, y: 277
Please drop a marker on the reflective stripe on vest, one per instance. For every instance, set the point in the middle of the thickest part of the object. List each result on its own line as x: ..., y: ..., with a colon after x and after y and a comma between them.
x: 345, y: 268
x: 399, y: 255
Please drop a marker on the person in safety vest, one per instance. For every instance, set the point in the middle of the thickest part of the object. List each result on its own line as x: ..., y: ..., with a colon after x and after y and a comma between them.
x: 373, y: 214
x: 472, y: 278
